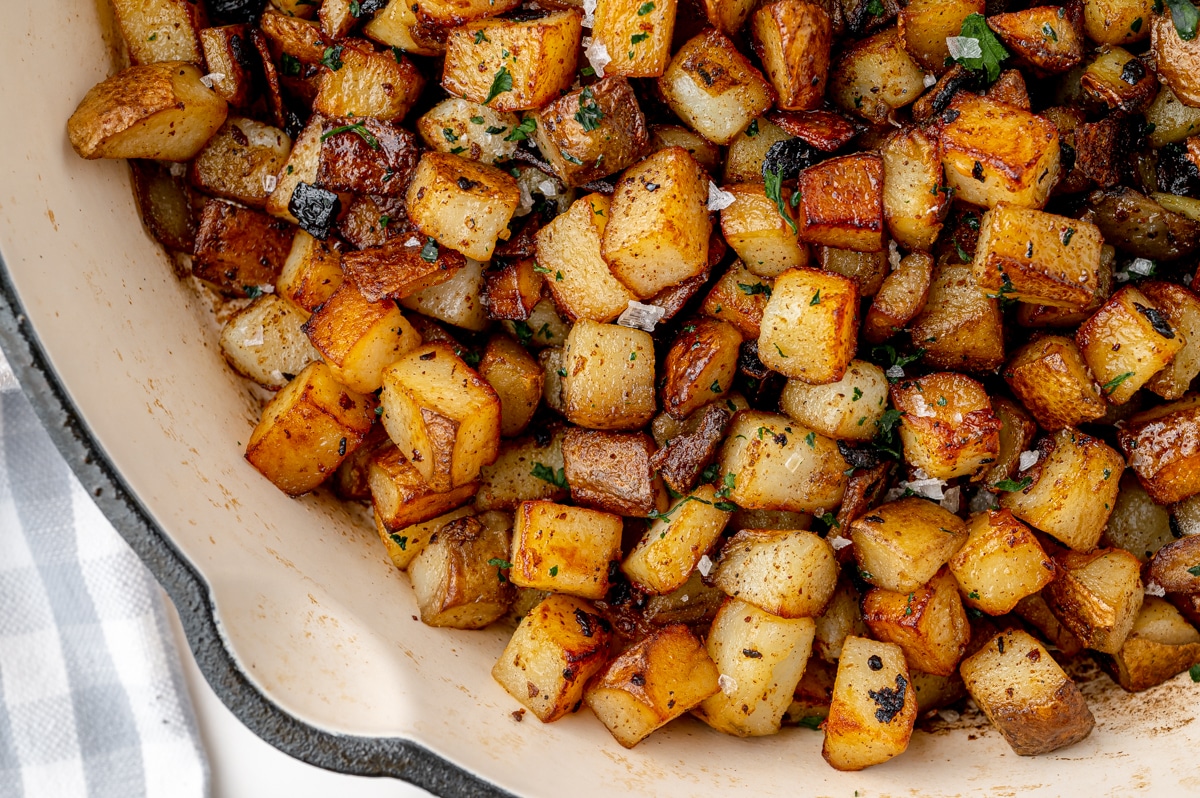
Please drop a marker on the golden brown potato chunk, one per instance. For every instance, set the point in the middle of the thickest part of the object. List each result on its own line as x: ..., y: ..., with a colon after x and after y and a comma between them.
x: 463, y: 204
x: 1001, y: 563
x: 1163, y: 447
x: 873, y: 710
x: 564, y: 549
x: 792, y: 37
x: 638, y: 44
x: 875, y: 76
x: 961, y: 326
x: 700, y: 366
x: 1097, y: 596
x: 592, y: 132
x: 569, y: 250
x: 948, y: 429
x: 1126, y: 342
x: 841, y: 203
x: 454, y: 577
x: 1040, y: 38
x: 902, y: 544
x: 611, y: 471
x: 926, y: 24
x: 788, y: 573
x: 809, y: 327
x: 1161, y: 645
x: 673, y: 545
x: 239, y: 249
x: 401, y: 497
x: 929, y: 623
x: 609, y: 382
x: 1053, y: 382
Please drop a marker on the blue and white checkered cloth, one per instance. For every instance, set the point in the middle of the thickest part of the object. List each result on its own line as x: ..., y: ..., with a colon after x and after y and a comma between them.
x: 92, y: 697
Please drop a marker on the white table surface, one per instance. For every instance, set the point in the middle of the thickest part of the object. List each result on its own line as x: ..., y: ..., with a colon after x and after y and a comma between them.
x: 243, y: 766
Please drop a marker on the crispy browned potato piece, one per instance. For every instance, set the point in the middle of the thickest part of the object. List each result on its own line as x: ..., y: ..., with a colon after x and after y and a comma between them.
x: 841, y: 203
x: 900, y: 545
x: 789, y: 573
x: 513, y: 290
x: 1040, y: 38
x: 948, y: 429
x: 240, y: 161
x: 365, y: 156
x: 639, y: 44
x: 564, y: 549
x: 928, y: 623
x: 1148, y: 343
x: 1001, y: 563
x: 238, y: 249
x: 961, y: 326
x: 1174, y: 567
x: 592, y: 132
x: 1161, y: 645
x: 684, y: 456
x: 611, y: 471
x: 401, y: 497
x: 1054, y: 383
x: 792, y: 38
x: 873, y: 710
x: 700, y: 366
x: 926, y: 24
x: 398, y: 269
x: 454, y: 579
x: 1120, y: 80
x: 900, y: 298
x: 1097, y: 596
x: 668, y: 552
x: 1182, y: 310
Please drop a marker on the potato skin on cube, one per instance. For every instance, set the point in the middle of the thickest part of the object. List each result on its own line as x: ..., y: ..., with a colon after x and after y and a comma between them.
x: 1163, y: 447
x: 592, y: 132
x: 655, y: 681
x: 368, y: 84
x: 1161, y: 645
x: 928, y: 623
x: 239, y: 247
x: 900, y: 545
x: 948, y: 427
x: 914, y: 205
x: 1054, y: 383
x: 404, y: 544
x: 841, y: 203
x: 511, y: 479
x: 926, y: 24
x: 1097, y: 596
x: 463, y: 204
x: 611, y: 471
x: 874, y: 707
x: 564, y: 549
x: 1001, y: 563
x: 401, y: 497
x: 788, y: 573
x: 809, y: 327
x: 609, y: 382
x: 236, y: 162
x: 1182, y: 310
x: 308, y: 429
x: 455, y: 583
x: 557, y: 648
x: 793, y: 38
x: 1126, y: 342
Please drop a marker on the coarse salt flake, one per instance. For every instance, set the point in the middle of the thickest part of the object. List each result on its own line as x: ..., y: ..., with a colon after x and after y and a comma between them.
x: 643, y: 317
x: 949, y: 715
x: 929, y: 80
x: 413, y: 241
x: 597, y: 55
x: 952, y: 499
x: 727, y: 684
x: 894, y: 372
x: 981, y: 501
x: 269, y: 183
x: 893, y: 255
x: 794, y: 462
x: 704, y: 566
x: 589, y: 13
x: 1142, y: 266
x: 929, y: 488
x: 177, y: 169
x: 1155, y: 589
x: 1027, y: 460
x: 277, y: 377
x: 548, y: 188
x: 256, y: 339
x: 718, y: 200
x: 211, y: 78
x: 839, y: 543
x: 964, y: 47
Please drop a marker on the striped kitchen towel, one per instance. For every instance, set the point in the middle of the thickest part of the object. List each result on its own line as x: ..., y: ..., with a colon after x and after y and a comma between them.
x: 92, y: 697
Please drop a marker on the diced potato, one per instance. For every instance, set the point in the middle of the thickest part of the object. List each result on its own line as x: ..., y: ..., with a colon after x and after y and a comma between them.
x: 1001, y: 563
x: 564, y: 549
x: 1036, y: 612
x: 366, y: 156
x: 1126, y: 342
x: 902, y: 544
x: 1117, y: 21
x: 1097, y: 596
x: 1163, y: 447
x: 809, y: 327
x: 1026, y: 695
x: 692, y: 446
x: 1173, y: 121
x: 463, y: 204
x: 744, y: 158
x: 308, y: 429
x: 609, y: 382
x: 160, y: 111
x: 402, y: 498
x: 397, y: 25
x: 926, y: 24
x: 993, y: 152
x: 400, y: 268
x: 368, y: 83
x: 1173, y: 566
x: 528, y: 469
x: 638, y: 44
x: 611, y: 471
x: 700, y: 366
x: 358, y: 339
x: 788, y: 573
x: 515, y: 65
x: 1161, y: 645
x: 658, y: 228
x: 264, y: 341
x: 1071, y: 489
x: 866, y: 269
x: 714, y: 88
x: 404, y: 544
x: 844, y: 410
x: 558, y: 647
x: 672, y: 546
x: 961, y: 326
x: 455, y: 12
x: 450, y: 127
x: 239, y: 249
x: 165, y: 204
x: 301, y: 167
x: 1017, y: 429
x: 875, y: 76
x: 514, y: 289
x: 792, y: 38
x: 568, y: 248
x: 1119, y: 80
x: 1177, y: 60
x: 336, y: 18
x: 1039, y: 38
x: 929, y: 623
x: 902, y: 295
x: 762, y: 658
x: 545, y: 327
x: 742, y: 307
x: 948, y: 426
x: 453, y: 578
x: 653, y: 682
x: 441, y: 415
x: 457, y: 301
x: 914, y: 205
x: 237, y: 161
x: 1138, y: 524
x: 728, y: 16
x: 552, y: 370
x: 592, y: 132
x: 1182, y: 309
x: 841, y: 203
x: 780, y: 465
x: 517, y: 379
x: 160, y: 30
x: 707, y: 154
x: 842, y: 618
x: 753, y: 225
x: 1053, y: 382
x: 873, y: 710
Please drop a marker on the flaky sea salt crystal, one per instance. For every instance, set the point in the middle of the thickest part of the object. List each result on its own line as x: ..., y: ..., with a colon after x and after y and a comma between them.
x: 951, y: 499
x: 948, y: 715
x: 793, y: 462
x: 839, y: 543
x: 412, y: 241
x: 929, y: 488
x: 597, y: 55
x: 981, y: 501
x: 929, y: 80
x: 705, y: 565
x: 727, y: 684
x: 1155, y: 589
x: 894, y: 372
x: 1142, y: 267
x: 964, y: 47
x: 589, y: 13
x: 1027, y: 460
x: 643, y: 317
x: 894, y: 255
x: 211, y: 78
x: 269, y: 183
x: 718, y: 200
x: 277, y: 377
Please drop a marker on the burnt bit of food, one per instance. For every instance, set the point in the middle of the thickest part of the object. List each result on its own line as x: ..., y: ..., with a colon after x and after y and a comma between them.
x: 858, y: 458
x: 889, y: 702
x: 789, y: 157
x: 316, y: 209
x: 232, y: 12
x: 751, y: 653
x: 1133, y: 72
x: 518, y: 715
x: 588, y: 623
x: 1157, y: 320
x: 874, y: 662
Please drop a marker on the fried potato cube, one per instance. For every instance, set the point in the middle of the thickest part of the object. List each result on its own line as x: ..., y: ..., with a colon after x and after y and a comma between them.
x: 404, y: 544
x: 454, y: 578
x: 512, y: 291
x: 667, y: 554
x: 948, y: 426
x: 399, y: 268
x: 1097, y: 596
x: 308, y: 429
x: 457, y: 301
x: 961, y: 326
x: 1138, y: 524
x: 707, y: 154
x: 301, y: 167
x: 239, y: 248
x: 844, y: 410
x: 926, y: 24
x: 358, y: 339
x: 449, y: 13
x: 564, y: 549
x: 1126, y: 342
x: 994, y: 152
x: 929, y: 623
x: 741, y: 307
x: 914, y: 205
x: 517, y: 379
x: 873, y: 710
x: 841, y: 203
x: 1040, y: 38
x: 294, y: 35
x: 516, y: 65
x: 557, y: 648
x: 875, y: 76
x: 569, y: 248
x: 609, y: 382
x: 401, y: 497
x: 441, y: 415
x: 658, y: 228
x: 365, y: 156
x: 1053, y: 382
x: 368, y: 84
x: 902, y: 295
x: 713, y: 88
x: 1177, y: 59
x: 528, y: 469
x: 1120, y: 80
x: 1163, y: 447
x: 763, y: 657
x: 1161, y: 645
x: 611, y: 471
x: 1182, y: 309
x: 792, y: 38
x: 809, y: 328
x: 462, y: 204
x: 638, y: 44
x: 1173, y: 566
x: 475, y: 131
x: 1071, y: 490
x: 592, y: 132
x: 900, y: 545
x: 160, y: 111
x: 700, y: 366
x: 780, y: 465
x: 1116, y: 21
x: 1036, y: 613
x: 265, y: 342
x: 788, y: 573
x: 160, y: 30
x: 1026, y: 695
x: 1001, y: 563
x: 842, y: 618
x: 397, y: 25
x: 1038, y: 257
x: 865, y: 269
x: 238, y: 160
x: 754, y: 227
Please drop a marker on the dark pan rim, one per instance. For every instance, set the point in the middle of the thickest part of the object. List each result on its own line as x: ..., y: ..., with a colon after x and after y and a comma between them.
x: 351, y: 754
